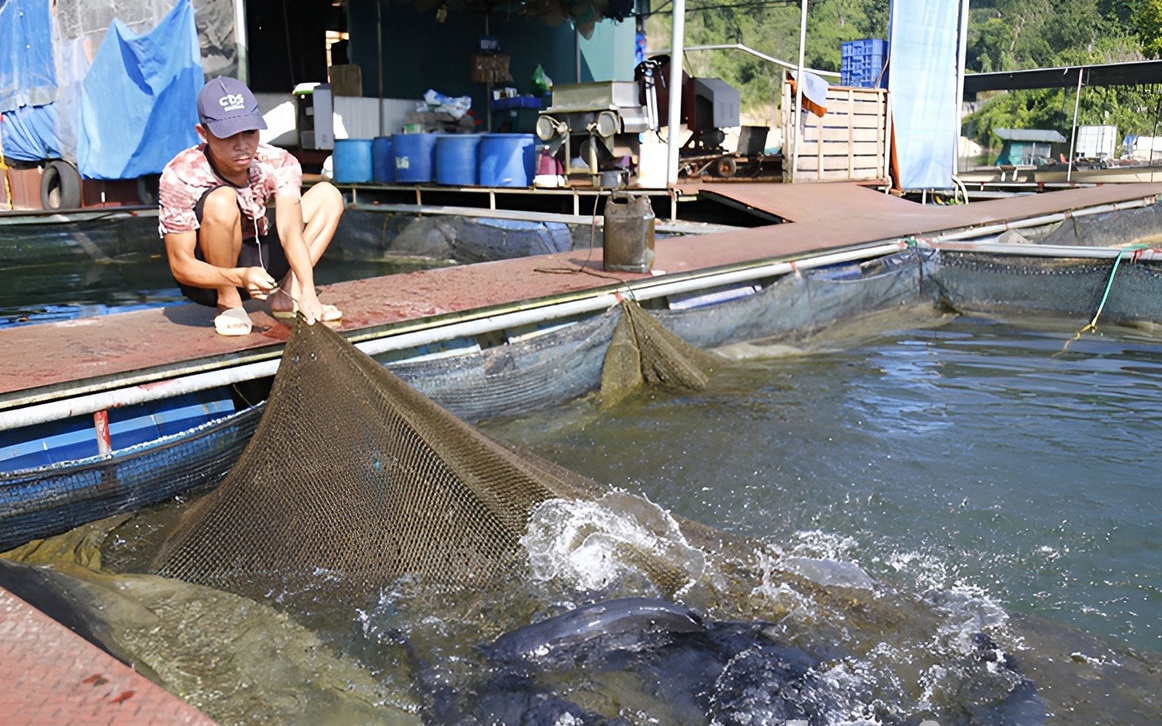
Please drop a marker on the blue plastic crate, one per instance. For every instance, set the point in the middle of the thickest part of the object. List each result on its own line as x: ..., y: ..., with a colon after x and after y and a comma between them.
x: 864, y: 79
x: 861, y: 62
x: 515, y: 102
x: 867, y: 46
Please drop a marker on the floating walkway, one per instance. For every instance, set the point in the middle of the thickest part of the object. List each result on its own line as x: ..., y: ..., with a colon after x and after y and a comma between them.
x: 53, y: 676
x: 54, y: 370
x: 56, y: 362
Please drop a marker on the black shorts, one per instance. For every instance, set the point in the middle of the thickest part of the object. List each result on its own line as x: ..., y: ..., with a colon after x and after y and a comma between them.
x: 265, y: 252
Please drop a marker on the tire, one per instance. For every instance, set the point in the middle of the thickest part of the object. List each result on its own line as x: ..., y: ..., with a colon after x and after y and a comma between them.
x: 725, y: 167
x: 60, y: 186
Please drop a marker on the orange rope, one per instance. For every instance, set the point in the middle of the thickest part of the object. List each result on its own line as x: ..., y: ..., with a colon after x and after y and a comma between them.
x: 4, y: 171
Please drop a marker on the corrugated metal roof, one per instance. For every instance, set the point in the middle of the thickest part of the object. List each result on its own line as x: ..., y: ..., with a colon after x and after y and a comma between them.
x: 1029, y: 135
x: 1102, y: 74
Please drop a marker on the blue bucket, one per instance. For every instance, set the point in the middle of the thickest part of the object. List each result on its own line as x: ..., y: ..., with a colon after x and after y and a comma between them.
x: 382, y: 160
x: 507, y: 160
x: 415, y: 157
x: 351, y: 161
x: 456, y: 159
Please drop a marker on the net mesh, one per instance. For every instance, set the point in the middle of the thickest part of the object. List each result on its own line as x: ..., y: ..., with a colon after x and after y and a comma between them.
x: 352, y: 472
x: 1049, y: 286
x: 642, y: 351
x: 563, y: 362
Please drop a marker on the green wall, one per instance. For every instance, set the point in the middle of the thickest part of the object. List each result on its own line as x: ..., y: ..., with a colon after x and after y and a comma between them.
x: 608, y: 55
x: 420, y: 53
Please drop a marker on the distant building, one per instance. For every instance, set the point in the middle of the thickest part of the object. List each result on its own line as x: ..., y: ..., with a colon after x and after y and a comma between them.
x: 1025, y: 147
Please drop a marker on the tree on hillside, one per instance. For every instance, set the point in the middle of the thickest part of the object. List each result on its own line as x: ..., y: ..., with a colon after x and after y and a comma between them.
x: 1133, y: 109
x: 1148, y: 21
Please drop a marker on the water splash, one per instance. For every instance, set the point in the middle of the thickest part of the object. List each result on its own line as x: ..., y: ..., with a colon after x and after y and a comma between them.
x: 594, y: 544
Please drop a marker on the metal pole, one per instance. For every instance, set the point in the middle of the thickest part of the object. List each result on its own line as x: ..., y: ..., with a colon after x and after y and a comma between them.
x: 488, y: 89
x: 756, y: 54
x: 379, y: 56
x: 1073, y: 132
x: 796, y: 119
x: 241, y: 49
x: 674, y: 118
x: 961, y: 56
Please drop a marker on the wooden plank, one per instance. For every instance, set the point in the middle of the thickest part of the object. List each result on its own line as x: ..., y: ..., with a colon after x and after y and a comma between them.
x: 836, y: 148
x: 832, y: 133
x: 836, y: 176
x: 809, y: 165
x: 851, y: 137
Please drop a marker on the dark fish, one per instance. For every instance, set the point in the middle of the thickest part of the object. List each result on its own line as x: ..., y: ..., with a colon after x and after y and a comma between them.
x: 625, y: 621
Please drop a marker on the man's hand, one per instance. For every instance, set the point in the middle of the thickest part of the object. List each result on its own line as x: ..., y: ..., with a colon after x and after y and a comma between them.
x: 257, y: 282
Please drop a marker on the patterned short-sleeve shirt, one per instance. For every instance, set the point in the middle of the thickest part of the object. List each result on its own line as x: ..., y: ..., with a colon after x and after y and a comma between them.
x: 189, y: 175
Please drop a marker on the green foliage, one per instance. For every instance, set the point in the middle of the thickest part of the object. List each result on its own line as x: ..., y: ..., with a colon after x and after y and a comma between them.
x: 1147, y: 17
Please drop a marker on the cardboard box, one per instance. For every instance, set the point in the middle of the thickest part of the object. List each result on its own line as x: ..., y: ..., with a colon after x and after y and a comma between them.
x: 492, y: 68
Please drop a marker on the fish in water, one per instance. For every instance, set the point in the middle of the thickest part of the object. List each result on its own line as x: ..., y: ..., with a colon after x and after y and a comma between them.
x: 604, y: 625
x: 660, y: 658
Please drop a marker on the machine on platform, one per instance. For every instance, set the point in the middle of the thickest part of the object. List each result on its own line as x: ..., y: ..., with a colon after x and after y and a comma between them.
x: 601, y: 125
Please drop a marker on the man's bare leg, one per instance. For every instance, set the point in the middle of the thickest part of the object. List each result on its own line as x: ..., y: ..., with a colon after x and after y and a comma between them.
x: 322, y: 207
x: 220, y: 238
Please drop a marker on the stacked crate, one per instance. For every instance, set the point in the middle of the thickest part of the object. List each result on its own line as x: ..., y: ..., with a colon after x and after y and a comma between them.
x: 861, y: 63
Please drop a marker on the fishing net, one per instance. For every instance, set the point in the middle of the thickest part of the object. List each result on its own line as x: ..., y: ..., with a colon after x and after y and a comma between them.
x: 644, y: 352
x: 1048, y: 286
x: 355, y: 474
x: 541, y: 368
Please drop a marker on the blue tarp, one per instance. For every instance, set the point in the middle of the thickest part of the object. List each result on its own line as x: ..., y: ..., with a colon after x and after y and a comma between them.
x: 28, y: 83
x: 924, y: 53
x: 139, y: 98
x: 30, y: 133
x: 27, y: 73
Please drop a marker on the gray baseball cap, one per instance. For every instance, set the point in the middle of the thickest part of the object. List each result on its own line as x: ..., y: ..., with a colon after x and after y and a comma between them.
x: 226, y: 106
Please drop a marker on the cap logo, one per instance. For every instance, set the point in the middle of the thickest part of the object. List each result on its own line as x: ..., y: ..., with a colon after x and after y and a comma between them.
x: 232, y: 102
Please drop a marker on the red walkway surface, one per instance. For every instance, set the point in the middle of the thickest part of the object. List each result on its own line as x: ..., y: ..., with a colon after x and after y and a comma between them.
x: 49, y: 676
x: 805, y: 202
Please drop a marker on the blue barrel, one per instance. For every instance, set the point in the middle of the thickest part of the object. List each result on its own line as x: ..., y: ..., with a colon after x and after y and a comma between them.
x: 382, y: 160
x: 507, y: 160
x: 351, y: 161
x: 415, y: 157
x: 456, y: 159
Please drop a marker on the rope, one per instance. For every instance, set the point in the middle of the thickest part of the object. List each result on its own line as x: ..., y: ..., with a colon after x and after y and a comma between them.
x: 1092, y: 326
x: 4, y: 171
x: 583, y: 268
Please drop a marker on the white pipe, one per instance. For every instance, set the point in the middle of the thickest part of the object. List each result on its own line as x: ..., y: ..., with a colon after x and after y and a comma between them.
x: 644, y: 290
x: 487, y: 324
x: 241, y: 49
x: 962, y: 54
x: 752, y: 51
x: 76, y: 406
x: 674, y: 117
x: 992, y: 229
x: 797, y: 119
x: 1073, y: 131
x: 660, y: 287
x: 1032, y: 250
x: 379, y: 57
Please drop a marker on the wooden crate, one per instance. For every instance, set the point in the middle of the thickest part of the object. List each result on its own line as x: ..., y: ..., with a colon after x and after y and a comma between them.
x: 848, y: 143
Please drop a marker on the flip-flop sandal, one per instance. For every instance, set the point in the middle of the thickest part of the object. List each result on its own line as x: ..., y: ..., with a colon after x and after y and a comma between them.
x: 232, y: 323
x: 331, y: 314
